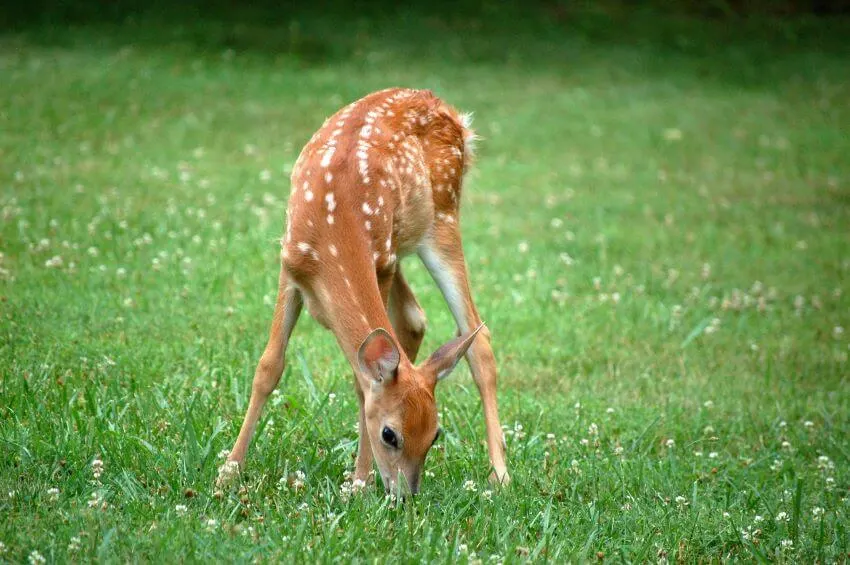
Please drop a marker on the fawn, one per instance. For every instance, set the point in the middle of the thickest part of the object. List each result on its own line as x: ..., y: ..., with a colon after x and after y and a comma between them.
x: 381, y: 179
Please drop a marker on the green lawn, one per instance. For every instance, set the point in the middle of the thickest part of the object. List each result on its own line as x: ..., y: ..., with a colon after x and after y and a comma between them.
x: 658, y: 229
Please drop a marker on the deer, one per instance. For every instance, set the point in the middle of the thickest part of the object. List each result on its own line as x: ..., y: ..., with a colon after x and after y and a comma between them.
x: 381, y: 180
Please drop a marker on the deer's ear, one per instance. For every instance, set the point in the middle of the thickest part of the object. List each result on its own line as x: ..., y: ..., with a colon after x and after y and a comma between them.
x: 378, y: 356
x: 444, y: 360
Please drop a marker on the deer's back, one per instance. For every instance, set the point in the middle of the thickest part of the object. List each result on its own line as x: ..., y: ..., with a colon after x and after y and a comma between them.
x: 372, y: 181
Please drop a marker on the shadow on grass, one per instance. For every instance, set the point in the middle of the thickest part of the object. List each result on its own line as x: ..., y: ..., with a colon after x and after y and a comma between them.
x: 546, y: 36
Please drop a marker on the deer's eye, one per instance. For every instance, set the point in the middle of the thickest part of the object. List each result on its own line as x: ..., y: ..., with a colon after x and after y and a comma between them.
x: 388, y: 436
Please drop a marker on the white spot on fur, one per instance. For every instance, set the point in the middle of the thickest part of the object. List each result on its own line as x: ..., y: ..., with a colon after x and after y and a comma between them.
x: 328, y: 177
x: 368, y: 225
x: 367, y: 209
x: 330, y: 219
x: 326, y: 158
x: 333, y: 250
x: 307, y: 249
x: 308, y: 195
x: 331, y: 202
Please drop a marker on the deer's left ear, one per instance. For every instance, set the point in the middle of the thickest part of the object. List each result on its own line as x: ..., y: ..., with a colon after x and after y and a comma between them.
x: 444, y: 360
x: 378, y: 356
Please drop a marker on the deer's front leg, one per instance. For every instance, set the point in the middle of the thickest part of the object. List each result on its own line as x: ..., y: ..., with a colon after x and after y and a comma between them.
x: 268, y: 372
x: 443, y: 257
x: 363, y: 464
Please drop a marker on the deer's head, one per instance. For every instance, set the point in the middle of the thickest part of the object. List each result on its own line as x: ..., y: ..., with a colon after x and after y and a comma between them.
x: 400, y: 408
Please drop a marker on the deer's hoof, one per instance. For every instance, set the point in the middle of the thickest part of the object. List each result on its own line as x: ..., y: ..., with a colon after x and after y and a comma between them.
x: 500, y: 479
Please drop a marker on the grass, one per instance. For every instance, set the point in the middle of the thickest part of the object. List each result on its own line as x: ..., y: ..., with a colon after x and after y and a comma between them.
x: 657, y: 232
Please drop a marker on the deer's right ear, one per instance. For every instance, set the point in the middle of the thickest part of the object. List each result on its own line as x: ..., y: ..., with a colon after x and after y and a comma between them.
x: 378, y: 356
x: 443, y: 361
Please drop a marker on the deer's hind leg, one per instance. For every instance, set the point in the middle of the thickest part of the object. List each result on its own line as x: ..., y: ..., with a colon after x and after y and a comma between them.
x: 406, y: 316
x: 444, y: 259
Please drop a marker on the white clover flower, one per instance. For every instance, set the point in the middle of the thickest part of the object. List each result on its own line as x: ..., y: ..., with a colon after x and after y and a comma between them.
x: 487, y: 494
x: 3, y: 548
x: 223, y: 454
x: 97, y: 468
x: 726, y: 514
x: 566, y: 259
x: 757, y: 519
x: 681, y: 501
x: 782, y: 516
x: 299, y: 480
x: 36, y: 558
x: 712, y: 455
x: 786, y: 544
x: 593, y: 430
x: 609, y: 410
x: 522, y: 247
x: 53, y: 493
x: 181, y: 509
x: 670, y: 443
x: 787, y: 445
x: 211, y: 524
x: 227, y: 472
x: 470, y: 486
x: 74, y: 544
x: 96, y: 501
x: 550, y: 437
x: 817, y: 511
x: 518, y: 431
x: 809, y: 424
x: 54, y: 262
x: 303, y: 506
